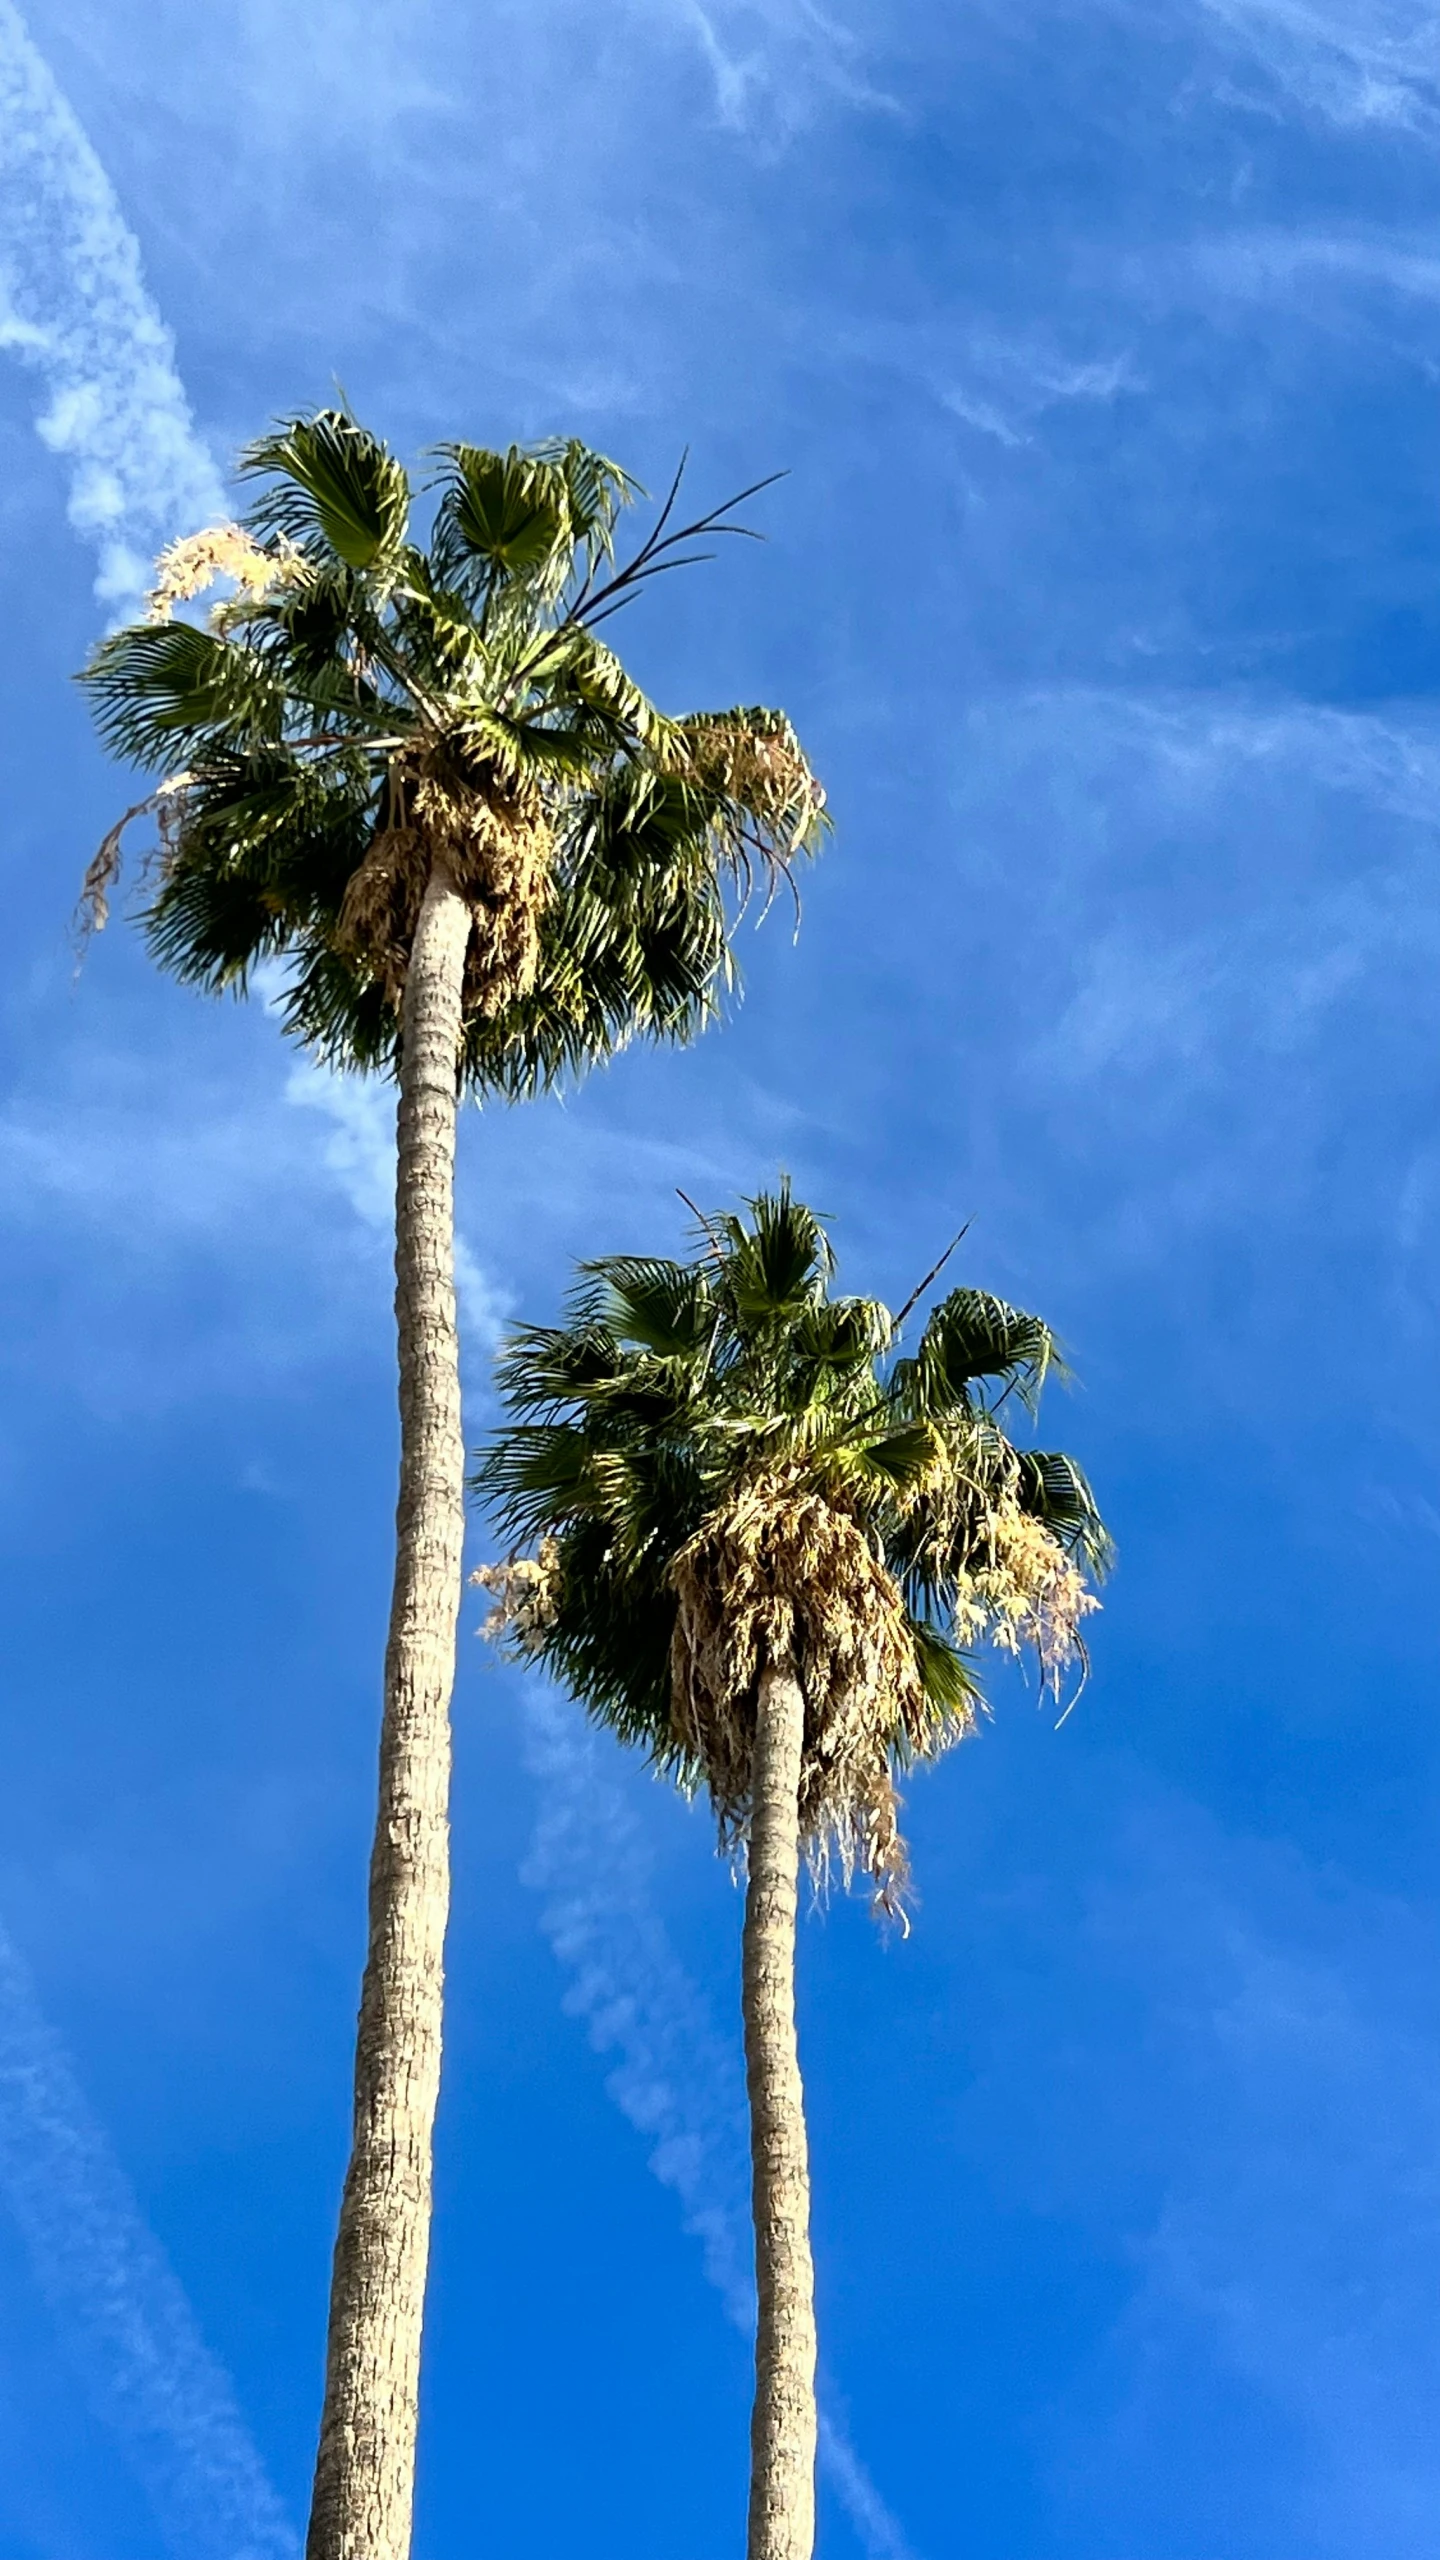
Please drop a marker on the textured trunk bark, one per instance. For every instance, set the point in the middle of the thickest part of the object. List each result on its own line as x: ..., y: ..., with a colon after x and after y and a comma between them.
x: 782, y: 2430
x: 365, y: 2467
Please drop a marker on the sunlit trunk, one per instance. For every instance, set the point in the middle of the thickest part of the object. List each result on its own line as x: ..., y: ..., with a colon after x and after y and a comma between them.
x: 782, y: 2432
x: 365, y: 2467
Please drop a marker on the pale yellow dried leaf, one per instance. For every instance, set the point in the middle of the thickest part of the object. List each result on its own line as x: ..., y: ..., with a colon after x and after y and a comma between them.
x: 190, y: 565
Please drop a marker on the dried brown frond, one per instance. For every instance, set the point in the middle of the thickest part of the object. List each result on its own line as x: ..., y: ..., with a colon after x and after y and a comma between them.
x: 782, y: 1575
x: 494, y: 836
x: 92, y: 912
x: 92, y: 908
x: 1022, y: 1590
x: 524, y: 1593
x: 187, y: 567
x: 755, y: 759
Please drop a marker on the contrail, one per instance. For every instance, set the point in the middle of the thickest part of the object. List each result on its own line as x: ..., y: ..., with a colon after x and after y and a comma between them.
x: 676, y: 2078
x: 73, y: 305
x: 124, y: 2319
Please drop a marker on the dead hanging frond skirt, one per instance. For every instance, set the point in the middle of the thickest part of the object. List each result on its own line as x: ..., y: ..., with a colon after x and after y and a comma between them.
x: 784, y: 1578
x: 494, y: 838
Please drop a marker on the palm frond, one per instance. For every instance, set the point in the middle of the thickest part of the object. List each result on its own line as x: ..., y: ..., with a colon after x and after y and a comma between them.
x: 598, y: 489
x: 333, y: 482
x: 649, y: 1305
x: 951, y: 1691
x: 506, y: 516
x: 778, y: 1258
x: 842, y: 1335
x: 161, y: 690
x: 972, y: 1337
x: 1053, y: 1489
x: 905, y: 1456
x: 662, y: 549
x: 541, y: 1368
x: 579, y: 669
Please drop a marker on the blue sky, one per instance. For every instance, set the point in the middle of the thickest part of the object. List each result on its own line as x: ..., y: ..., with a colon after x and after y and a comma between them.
x: 1102, y: 345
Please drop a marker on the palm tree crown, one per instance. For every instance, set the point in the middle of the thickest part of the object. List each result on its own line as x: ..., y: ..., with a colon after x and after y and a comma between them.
x: 717, y: 1464
x: 364, y: 705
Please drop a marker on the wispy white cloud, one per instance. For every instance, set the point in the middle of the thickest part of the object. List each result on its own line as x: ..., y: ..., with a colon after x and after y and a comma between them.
x: 74, y: 307
x: 1232, y: 915
x: 1355, y: 63
x: 1001, y: 382
x: 1300, y: 2233
x: 122, y: 2316
x: 676, y: 2079
x: 1259, y: 264
x: 878, y: 2531
x: 168, y: 1170
x: 771, y: 59
x: 358, y: 1146
x: 148, y: 1158
x: 769, y: 62
x: 1280, y: 946
x: 1005, y: 386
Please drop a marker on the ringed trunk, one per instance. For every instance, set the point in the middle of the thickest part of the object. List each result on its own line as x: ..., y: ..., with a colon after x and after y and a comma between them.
x: 365, y: 2467
x: 783, y: 2427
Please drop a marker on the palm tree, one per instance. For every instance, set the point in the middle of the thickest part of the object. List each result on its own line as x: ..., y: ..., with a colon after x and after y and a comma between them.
x: 760, y: 1547
x: 415, y: 776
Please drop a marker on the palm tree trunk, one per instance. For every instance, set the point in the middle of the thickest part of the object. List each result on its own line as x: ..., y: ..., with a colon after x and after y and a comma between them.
x: 365, y: 2467
x: 782, y: 2430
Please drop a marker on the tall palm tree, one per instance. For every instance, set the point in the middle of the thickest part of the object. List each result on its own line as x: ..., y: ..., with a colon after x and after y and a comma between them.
x: 759, y: 1546
x: 415, y: 775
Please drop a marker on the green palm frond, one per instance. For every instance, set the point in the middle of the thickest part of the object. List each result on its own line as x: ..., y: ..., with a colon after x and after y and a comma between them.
x: 505, y: 514
x: 162, y: 690
x: 777, y: 1260
x: 1052, y: 1488
x: 525, y: 518
x: 905, y: 1456
x: 329, y: 480
x: 842, y: 1335
x: 584, y: 676
x: 598, y: 489
x: 344, y: 1022
x: 647, y: 1305
x: 951, y: 1689
x: 972, y: 1337
x: 308, y: 628
x: 543, y: 1366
